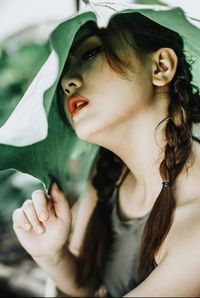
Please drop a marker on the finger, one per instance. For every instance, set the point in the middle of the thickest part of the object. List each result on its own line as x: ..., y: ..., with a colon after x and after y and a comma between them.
x: 41, y: 205
x: 61, y: 204
x: 20, y: 220
x: 31, y: 214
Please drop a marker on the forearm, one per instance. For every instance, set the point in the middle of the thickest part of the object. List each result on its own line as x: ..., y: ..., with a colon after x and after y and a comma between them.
x: 63, y: 269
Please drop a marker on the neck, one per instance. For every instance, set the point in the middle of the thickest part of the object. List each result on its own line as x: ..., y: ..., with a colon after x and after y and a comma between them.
x: 139, y: 143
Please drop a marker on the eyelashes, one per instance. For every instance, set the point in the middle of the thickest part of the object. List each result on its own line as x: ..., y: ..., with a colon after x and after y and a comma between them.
x: 90, y: 54
x: 86, y: 56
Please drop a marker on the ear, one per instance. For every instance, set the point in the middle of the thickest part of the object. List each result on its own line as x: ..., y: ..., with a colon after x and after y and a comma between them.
x: 164, y: 66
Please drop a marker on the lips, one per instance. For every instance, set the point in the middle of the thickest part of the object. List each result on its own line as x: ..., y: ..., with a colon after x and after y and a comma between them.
x: 76, y: 104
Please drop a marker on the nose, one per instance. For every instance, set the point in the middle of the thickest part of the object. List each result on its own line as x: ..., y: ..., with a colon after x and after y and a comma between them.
x: 71, y: 84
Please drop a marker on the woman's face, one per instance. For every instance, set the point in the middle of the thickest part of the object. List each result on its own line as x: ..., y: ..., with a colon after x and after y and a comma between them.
x: 96, y: 98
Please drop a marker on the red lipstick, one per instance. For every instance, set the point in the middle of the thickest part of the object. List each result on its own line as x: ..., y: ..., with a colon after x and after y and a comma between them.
x: 76, y: 104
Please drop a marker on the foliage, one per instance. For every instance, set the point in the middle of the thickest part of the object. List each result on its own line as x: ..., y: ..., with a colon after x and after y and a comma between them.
x: 149, y: 2
x: 17, y: 69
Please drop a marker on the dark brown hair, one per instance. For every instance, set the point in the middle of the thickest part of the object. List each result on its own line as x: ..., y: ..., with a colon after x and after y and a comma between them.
x: 125, y: 31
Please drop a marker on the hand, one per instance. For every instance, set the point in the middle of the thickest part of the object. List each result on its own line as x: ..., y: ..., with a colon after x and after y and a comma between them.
x: 43, y: 224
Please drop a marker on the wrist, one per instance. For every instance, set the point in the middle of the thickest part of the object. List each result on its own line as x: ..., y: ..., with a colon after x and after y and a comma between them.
x: 52, y: 259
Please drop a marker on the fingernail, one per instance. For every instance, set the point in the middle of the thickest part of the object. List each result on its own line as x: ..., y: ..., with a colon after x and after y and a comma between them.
x: 43, y: 215
x: 27, y: 227
x: 55, y: 186
x: 39, y: 229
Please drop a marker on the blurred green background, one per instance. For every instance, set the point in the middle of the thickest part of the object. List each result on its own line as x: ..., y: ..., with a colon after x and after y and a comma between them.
x: 19, y: 63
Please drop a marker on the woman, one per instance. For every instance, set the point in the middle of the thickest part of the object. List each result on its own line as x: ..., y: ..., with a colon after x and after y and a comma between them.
x: 136, y: 228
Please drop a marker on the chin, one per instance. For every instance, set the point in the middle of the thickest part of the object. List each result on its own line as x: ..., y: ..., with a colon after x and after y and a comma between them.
x: 89, y: 135
x: 83, y: 134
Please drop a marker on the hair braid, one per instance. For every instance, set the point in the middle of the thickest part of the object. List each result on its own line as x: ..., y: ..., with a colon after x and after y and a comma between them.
x: 177, y: 151
x: 108, y: 169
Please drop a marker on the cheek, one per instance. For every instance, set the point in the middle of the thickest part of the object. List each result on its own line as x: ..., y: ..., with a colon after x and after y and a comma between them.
x: 114, y: 100
x: 103, y: 116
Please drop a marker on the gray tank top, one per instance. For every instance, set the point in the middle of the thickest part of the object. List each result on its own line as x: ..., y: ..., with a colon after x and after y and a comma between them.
x: 120, y: 271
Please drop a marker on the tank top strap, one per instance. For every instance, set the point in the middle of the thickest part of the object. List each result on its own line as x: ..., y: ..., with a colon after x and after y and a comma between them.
x: 115, y: 193
x: 115, y: 196
x: 122, y: 178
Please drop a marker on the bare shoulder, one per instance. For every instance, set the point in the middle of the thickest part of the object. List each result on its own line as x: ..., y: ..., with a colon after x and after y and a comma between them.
x: 188, y: 193
x: 178, y: 270
x: 81, y: 214
x: 185, y: 229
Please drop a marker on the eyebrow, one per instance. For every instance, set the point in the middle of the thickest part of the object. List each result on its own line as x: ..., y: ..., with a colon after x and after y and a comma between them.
x: 79, y: 42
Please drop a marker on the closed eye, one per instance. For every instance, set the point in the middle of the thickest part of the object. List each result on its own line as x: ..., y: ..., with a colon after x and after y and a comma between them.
x: 90, y: 54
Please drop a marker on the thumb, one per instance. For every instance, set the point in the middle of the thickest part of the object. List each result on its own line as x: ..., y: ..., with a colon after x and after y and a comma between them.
x: 61, y: 205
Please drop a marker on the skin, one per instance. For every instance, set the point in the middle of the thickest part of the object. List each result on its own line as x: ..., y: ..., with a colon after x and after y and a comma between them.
x: 122, y: 116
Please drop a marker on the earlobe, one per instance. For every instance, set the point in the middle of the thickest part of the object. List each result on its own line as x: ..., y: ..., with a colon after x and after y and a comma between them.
x: 164, y: 66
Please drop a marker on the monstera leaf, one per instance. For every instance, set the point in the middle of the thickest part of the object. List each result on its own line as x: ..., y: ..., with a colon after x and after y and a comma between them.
x: 36, y: 139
